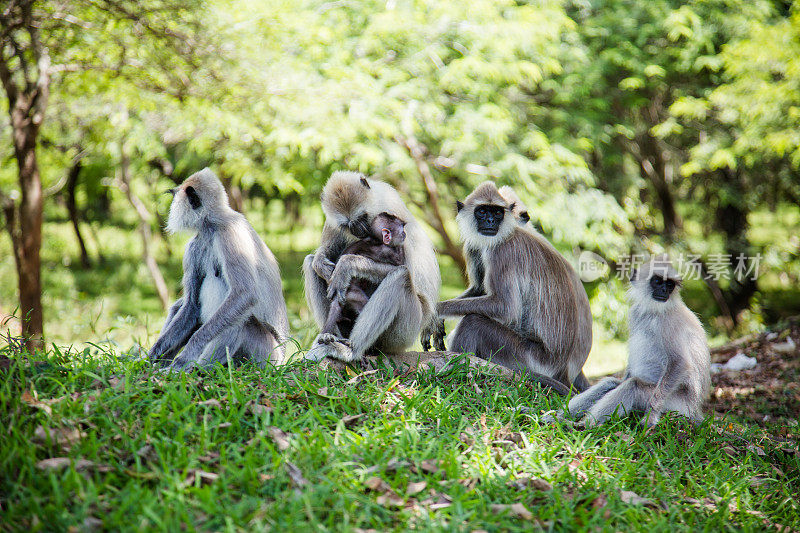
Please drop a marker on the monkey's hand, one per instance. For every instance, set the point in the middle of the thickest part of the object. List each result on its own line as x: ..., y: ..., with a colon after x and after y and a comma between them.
x: 435, y: 330
x: 339, y: 283
x: 323, y: 267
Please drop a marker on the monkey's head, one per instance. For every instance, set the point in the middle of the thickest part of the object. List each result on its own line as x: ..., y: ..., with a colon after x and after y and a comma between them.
x: 519, y: 210
x: 482, y: 217
x: 656, y: 284
x: 389, y: 229
x: 345, y: 200
x: 200, y: 196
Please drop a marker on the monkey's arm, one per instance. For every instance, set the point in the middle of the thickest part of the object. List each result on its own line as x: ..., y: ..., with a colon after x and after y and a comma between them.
x: 240, y: 272
x: 331, y: 246
x: 356, y: 266
x: 184, y: 315
x: 670, y: 380
x: 494, y: 306
x: 476, y: 273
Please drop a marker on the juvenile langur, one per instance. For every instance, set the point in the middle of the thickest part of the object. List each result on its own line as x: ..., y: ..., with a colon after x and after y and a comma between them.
x: 232, y: 304
x: 383, y: 244
x: 531, y: 312
x: 406, y: 295
x: 668, y: 359
x: 475, y: 269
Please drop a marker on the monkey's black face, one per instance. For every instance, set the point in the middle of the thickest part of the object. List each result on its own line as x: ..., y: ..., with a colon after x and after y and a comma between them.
x: 488, y: 218
x: 360, y: 227
x: 661, y: 288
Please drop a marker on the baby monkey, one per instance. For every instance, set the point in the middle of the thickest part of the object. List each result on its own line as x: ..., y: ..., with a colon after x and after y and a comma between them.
x: 381, y: 241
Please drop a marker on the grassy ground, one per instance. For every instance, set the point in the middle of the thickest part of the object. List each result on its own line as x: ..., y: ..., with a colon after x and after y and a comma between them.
x: 100, y: 443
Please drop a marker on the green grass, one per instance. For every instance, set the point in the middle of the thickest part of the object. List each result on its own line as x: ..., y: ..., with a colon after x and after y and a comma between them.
x: 461, y: 433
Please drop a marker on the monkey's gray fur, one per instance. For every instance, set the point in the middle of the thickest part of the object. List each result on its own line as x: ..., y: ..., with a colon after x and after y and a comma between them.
x: 405, y: 300
x: 531, y: 312
x: 668, y: 360
x: 476, y: 271
x: 232, y: 304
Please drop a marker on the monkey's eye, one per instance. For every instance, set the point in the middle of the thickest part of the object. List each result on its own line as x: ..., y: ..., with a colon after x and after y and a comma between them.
x: 481, y: 211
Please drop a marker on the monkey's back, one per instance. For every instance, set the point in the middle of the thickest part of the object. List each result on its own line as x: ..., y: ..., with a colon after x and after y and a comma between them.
x: 561, y: 319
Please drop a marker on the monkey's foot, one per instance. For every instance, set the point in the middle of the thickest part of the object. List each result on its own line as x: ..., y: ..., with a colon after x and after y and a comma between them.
x: 323, y: 347
x: 341, y: 351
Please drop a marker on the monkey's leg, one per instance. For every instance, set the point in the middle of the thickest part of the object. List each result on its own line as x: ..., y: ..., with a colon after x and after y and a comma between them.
x: 580, y: 383
x: 492, y: 341
x: 391, y: 321
x: 631, y: 395
x: 177, y: 330
x: 583, y: 401
x: 260, y: 344
x: 334, y: 316
x: 218, y: 349
x: 316, y: 292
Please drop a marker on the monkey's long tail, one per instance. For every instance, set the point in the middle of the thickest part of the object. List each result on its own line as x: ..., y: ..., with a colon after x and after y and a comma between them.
x: 581, y: 383
x: 554, y: 384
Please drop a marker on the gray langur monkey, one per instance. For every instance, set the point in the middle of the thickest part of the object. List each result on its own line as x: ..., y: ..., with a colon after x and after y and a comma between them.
x: 530, y: 312
x: 476, y: 271
x: 668, y: 360
x: 232, y: 304
x: 405, y: 299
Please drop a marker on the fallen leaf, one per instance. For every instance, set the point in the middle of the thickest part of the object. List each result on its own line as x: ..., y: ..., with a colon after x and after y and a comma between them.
x: 210, y: 403
x: 265, y: 477
x: 623, y: 437
x: 210, y: 457
x: 517, y: 509
x: 377, y: 484
x: 60, y: 436
x: 224, y: 425
x: 349, y: 420
x: 323, y: 391
x: 147, y: 452
x: 295, y: 475
x: 468, y: 483
x: 758, y: 450
x: 416, y: 488
x: 355, y: 379
x: 28, y: 399
x: 632, y: 498
x: 430, y: 466
x: 396, y: 464
x: 390, y: 499
x: 280, y: 437
x: 600, y: 502
x: 91, y: 523
x: 54, y: 463
x: 729, y: 450
x: 194, y: 475
x: 257, y: 408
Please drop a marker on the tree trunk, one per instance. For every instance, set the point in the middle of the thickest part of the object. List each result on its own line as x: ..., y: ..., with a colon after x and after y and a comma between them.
x: 144, y: 227
x: 74, y: 215
x: 234, y: 193
x: 27, y: 87
x: 450, y: 247
x: 654, y: 169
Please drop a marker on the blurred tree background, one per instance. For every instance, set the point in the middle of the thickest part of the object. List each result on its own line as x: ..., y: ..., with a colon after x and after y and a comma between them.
x: 627, y: 127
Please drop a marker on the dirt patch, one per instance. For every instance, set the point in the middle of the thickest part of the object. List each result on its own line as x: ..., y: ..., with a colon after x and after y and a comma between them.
x: 769, y: 393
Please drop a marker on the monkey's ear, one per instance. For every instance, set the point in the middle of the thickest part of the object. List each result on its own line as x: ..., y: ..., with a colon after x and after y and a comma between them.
x: 524, y: 216
x: 512, y: 207
x: 459, y: 206
x: 634, y: 274
x: 364, y: 182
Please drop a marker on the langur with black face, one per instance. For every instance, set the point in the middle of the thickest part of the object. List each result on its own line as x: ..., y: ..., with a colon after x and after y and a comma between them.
x: 476, y: 270
x: 668, y: 359
x: 527, y: 310
x: 232, y: 304
x: 405, y: 298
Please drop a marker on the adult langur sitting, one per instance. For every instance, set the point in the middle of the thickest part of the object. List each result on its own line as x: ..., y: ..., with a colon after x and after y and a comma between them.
x: 232, y: 304
x: 405, y: 298
x: 529, y: 312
